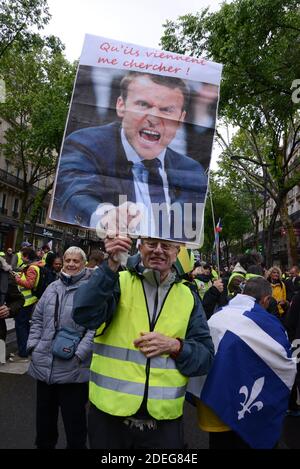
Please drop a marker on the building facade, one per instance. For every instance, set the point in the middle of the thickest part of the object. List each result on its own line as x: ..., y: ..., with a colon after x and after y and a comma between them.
x: 44, y: 231
x: 279, y: 244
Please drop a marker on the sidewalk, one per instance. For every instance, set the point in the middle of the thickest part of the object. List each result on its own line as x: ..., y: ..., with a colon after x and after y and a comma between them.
x: 11, y: 347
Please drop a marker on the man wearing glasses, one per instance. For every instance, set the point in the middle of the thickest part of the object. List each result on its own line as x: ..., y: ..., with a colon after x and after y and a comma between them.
x: 151, y: 336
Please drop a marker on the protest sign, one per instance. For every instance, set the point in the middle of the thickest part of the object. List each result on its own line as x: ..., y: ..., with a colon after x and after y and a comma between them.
x: 138, y: 141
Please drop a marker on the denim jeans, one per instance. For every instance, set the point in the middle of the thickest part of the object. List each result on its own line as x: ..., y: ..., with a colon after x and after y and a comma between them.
x: 22, y: 322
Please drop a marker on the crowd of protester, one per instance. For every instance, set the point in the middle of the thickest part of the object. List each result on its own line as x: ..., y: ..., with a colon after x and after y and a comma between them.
x: 49, y: 293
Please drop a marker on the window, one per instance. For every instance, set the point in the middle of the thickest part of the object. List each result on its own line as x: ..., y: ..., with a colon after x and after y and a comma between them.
x: 41, y: 216
x: 3, y: 202
x: 16, y: 208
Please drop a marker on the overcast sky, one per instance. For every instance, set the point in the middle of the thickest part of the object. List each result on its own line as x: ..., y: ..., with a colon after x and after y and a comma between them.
x: 136, y: 21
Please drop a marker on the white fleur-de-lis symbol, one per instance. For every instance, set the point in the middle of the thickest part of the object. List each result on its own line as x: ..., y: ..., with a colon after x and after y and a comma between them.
x: 248, y: 404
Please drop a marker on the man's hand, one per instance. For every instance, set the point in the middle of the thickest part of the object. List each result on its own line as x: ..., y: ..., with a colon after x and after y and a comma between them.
x: 114, y: 247
x: 219, y: 285
x: 4, y: 312
x: 123, y: 219
x: 153, y: 344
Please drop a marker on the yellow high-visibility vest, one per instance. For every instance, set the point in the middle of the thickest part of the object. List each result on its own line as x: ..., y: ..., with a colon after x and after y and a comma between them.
x: 29, y: 297
x: 20, y: 260
x: 239, y: 274
x: 202, y: 286
x: 214, y: 274
x: 119, y: 370
x: 234, y: 274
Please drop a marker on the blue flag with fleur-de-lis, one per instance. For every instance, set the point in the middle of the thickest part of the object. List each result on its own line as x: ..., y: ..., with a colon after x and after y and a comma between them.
x: 249, y: 383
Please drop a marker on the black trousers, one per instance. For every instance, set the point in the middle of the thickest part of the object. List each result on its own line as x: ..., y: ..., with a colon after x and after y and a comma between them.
x: 71, y: 399
x: 226, y: 440
x: 109, y: 432
x: 3, y: 329
x: 294, y: 403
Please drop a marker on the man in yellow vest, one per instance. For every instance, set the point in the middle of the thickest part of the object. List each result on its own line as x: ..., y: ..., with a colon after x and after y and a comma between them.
x: 27, y: 280
x: 248, y: 266
x: 17, y: 261
x: 151, y: 336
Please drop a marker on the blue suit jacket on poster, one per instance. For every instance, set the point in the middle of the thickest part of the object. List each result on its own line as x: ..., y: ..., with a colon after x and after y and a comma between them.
x: 94, y: 169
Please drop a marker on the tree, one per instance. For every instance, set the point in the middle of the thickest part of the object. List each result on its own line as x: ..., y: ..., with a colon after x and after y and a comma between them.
x: 269, y: 177
x: 249, y: 198
x: 258, y: 43
x: 233, y: 214
x: 38, y: 89
x: 16, y: 17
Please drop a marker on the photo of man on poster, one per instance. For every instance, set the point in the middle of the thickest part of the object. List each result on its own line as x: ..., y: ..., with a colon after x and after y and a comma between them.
x: 124, y: 175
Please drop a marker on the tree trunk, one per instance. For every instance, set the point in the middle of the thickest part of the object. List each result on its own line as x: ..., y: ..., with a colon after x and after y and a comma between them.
x: 256, y: 229
x: 226, y: 251
x: 270, y: 234
x: 36, y: 208
x: 33, y: 223
x: 23, y: 215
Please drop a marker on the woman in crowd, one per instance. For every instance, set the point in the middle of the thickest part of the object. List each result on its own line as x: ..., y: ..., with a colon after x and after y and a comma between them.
x: 274, y: 276
x: 61, y: 383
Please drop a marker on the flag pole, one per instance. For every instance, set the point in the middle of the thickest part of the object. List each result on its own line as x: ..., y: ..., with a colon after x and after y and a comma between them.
x: 216, y: 241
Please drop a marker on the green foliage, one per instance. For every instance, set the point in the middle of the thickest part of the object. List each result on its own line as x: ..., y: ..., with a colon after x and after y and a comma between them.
x: 38, y: 89
x: 16, y: 19
x: 230, y: 209
x: 258, y: 43
x: 188, y: 35
x: 39, y: 84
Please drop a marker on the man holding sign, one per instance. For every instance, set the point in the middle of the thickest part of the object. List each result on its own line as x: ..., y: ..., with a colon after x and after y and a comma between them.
x: 129, y: 170
x: 151, y: 336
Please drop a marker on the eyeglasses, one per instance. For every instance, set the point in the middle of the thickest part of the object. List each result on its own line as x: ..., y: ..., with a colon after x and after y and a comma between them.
x: 164, y: 246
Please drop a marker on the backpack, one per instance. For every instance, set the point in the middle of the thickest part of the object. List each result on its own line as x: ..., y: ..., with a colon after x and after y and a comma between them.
x: 42, y: 283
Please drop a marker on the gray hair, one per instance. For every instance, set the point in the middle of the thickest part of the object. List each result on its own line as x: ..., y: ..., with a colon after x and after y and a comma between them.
x: 76, y: 250
x: 258, y: 287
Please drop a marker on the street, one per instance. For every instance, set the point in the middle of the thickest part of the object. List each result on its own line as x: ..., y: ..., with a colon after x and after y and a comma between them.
x: 17, y: 418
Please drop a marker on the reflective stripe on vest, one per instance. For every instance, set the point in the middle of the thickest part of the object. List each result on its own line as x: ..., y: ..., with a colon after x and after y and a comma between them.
x: 248, y: 276
x: 118, y: 369
x: 138, y: 389
x: 133, y: 356
x: 30, y: 299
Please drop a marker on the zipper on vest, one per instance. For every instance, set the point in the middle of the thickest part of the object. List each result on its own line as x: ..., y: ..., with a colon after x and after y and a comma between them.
x: 143, y: 411
x: 161, y: 308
